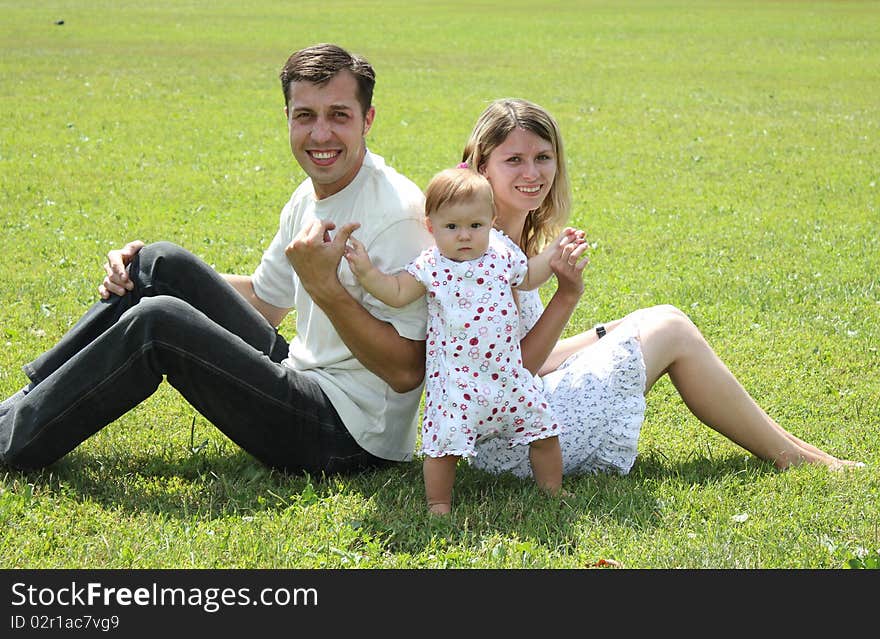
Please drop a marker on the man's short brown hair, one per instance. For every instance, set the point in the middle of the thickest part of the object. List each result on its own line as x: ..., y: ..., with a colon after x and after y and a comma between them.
x: 321, y: 62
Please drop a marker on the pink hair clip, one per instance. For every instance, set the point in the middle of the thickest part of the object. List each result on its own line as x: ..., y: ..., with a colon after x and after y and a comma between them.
x: 463, y: 165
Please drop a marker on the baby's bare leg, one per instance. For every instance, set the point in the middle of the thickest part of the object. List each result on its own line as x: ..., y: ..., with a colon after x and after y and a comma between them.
x: 439, y: 475
x: 546, y: 459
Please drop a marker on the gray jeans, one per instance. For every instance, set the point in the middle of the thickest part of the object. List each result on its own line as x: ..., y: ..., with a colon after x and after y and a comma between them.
x: 186, y: 323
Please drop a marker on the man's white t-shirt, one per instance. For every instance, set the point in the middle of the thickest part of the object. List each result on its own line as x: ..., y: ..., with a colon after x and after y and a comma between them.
x: 390, y: 209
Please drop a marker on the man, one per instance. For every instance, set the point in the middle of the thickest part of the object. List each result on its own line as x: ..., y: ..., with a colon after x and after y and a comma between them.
x: 342, y: 397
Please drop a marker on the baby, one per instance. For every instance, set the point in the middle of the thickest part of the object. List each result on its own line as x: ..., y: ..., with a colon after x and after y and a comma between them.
x: 476, y: 386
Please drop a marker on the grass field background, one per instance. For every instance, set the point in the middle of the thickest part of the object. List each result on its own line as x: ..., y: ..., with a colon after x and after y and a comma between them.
x: 725, y: 158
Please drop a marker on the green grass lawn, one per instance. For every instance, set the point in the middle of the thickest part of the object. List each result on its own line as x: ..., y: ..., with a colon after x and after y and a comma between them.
x: 725, y: 158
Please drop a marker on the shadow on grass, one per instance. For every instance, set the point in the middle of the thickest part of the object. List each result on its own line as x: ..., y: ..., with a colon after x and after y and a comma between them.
x: 210, y: 485
x: 225, y: 481
x: 487, y: 507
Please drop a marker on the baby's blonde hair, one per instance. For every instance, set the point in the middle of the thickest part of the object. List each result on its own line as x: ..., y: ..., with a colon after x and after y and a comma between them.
x: 454, y: 186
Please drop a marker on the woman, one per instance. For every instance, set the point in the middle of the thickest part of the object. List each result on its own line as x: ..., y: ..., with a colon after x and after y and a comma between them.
x: 596, y: 381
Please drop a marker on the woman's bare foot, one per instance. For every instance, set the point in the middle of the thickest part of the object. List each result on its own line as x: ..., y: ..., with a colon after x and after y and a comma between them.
x: 845, y: 464
x: 815, y: 456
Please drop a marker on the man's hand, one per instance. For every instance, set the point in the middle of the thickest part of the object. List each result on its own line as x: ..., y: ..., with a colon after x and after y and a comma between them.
x: 315, y: 256
x: 117, y: 282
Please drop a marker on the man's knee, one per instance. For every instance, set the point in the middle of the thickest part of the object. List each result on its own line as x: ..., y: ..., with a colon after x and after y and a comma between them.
x: 166, y: 268
x: 157, y: 314
x: 164, y: 251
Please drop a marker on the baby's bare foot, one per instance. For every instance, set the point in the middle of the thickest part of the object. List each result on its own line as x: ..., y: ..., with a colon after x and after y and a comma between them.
x: 440, y: 508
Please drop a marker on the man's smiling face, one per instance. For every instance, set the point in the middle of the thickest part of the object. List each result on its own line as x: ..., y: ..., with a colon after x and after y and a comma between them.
x: 327, y: 128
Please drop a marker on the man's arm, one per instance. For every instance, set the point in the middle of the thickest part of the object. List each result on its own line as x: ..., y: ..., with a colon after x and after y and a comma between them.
x: 245, y: 286
x: 399, y: 361
x: 117, y: 282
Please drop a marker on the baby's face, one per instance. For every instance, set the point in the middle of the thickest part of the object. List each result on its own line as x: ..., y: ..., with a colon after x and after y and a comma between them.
x: 461, y: 231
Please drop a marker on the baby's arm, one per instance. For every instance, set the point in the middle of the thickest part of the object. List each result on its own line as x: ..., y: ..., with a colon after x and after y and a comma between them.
x: 395, y: 290
x: 540, y: 268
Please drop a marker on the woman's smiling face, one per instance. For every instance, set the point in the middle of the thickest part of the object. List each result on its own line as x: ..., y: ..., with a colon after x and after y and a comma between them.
x: 521, y: 171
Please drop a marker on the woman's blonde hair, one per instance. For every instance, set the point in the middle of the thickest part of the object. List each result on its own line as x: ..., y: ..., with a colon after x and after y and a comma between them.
x: 454, y: 186
x: 491, y: 130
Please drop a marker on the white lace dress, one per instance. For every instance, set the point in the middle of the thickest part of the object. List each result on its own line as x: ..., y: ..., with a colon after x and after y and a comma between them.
x: 598, y: 397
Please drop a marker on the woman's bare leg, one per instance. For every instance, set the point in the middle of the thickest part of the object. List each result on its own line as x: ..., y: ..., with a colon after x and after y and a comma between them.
x: 673, y: 345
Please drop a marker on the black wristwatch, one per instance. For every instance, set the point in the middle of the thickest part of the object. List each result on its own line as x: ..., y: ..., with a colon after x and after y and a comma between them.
x: 600, y: 331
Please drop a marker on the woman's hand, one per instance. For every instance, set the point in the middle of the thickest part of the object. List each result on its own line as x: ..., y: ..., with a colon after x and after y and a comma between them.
x: 569, y: 262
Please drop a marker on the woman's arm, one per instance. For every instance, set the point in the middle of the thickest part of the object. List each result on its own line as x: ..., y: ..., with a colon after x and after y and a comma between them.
x: 539, y: 346
x: 541, y: 265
